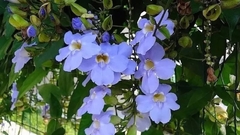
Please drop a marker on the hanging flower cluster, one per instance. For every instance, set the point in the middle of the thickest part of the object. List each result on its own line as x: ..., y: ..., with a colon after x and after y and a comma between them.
x: 105, y: 63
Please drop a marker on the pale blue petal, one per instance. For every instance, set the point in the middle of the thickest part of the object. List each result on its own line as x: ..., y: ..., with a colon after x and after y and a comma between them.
x: 87, y: 64
x: 102, y: 76
x: 152, y: 82
x: 124, y: 49
x: 130, y: 122
x: 88, y: 38
x: 144, y: 103
x: 156, y: 53
x: 118, y: 63
x: 84, y: 83
x: 107, y: 129
x: 117, y: 78
x: 96, y: 106
x: 165, y: 68
x: 160, y: 115
x: 146, y: 44
x: 72, y: 62
x: 68, y: 37
x: 89, y: 49
x: 144, y: 86
x: 160, y: 35
x: 63, y: 53
x: 143, y: 123
x: 20, y: 63
x: 171, y: 101
x: 140, y: 72
x: 138, y: 37
x: 159, y: 16
x: 77, y: 36
x: 82, y: 110
x: 165, y: 88
x: 130, y: 68
x: 142, y: 22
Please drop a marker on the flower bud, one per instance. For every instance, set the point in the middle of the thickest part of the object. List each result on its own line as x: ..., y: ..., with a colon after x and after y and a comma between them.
x: 69, y: 2
x: 107, y: 4
x: 35, y: 20
x: 18, y: 22
x: 60, y: 2
x: 31, y: 31
x: 42, y: 13
x: 76, y: 23
x: 15, y: 10
x: 42, y: 37
x: 107, y: 23
x: 115, y: 119
x: 212, y: 12
x: 154, y: 9
x: 77, y: 9
x: 105, y: 37
x: 184, y: 22
x: 228, y: 4
x: 55, y: 19
x: 110, y: 100
x: 185, y: 41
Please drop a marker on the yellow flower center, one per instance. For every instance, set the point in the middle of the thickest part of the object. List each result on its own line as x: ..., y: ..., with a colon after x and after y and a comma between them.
x: 148, y: 28
x: 149, y: 64
x: 102, y: 58
x: 76, y: 45
x: 159, y: 97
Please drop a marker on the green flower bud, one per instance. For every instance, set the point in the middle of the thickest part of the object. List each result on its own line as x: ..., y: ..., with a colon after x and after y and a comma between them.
x: 15, y: 10
x: 115, y: 120
x: 154, y: 9
x: 184, y: 22
x: 132, y: 130
x: 18, y: 22
x: 110, y: 100
x: 107, y: 23
x: 77, y: 9
x: 69, y: 2
x: 107, y: 4
x: 173, y: 54
x: 228, y: 4
x: 35, y: 20
x: 60, y: 2
x: 185, y: 41
x: 42, y: 37
x: 55, y: 19
x: 212, y: 12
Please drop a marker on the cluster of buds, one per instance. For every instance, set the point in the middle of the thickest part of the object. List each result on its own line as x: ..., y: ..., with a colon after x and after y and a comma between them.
x: 184, y: 8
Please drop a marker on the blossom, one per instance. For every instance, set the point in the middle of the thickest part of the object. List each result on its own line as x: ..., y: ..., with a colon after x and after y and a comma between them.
x: 76, y: 23
x: 105, y: 68
x: 105, y: 37
x: 79, y: 46
x: 158, y: 104
x: 154, y: 66
x: 101, y: 125
x: 145, y: 36
x: 21, y: 57
x: 94, y: 103
x: 44, y: 111
x: 143, y: 122
x: 31, y: 31
x: 14, y: 95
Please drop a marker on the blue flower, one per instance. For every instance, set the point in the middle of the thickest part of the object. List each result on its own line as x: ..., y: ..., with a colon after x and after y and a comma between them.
x: 94, y: 103
x: 31, y: 31
x: 101, y: 125
x: 153, y: 67
x: 79, y: 46
x: 106, y: 67
x: 158, y: 104
x: 45, y: 110
x: 105, y: 37
x: 145, y: 36
x: 21, y: 57
x: 76, y: 23
x: 143, y: 122
x: 14, y: 95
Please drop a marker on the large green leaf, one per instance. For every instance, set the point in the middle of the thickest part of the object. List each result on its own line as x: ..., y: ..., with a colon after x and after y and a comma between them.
x: 35, y: 77
x: 65, y: 82
x: 224, y: 95
x: 55, y: 107
x: 152, y: 131
x: 4, y: 45
x: 86, y: 121
x: 78, y: 95
x: 192, y: 125
x: 3, y: 5
x: 211, y: 128
x: 46, y: 90
x: 12, y: 76
x: 52, y: 126
x: 59, y: 131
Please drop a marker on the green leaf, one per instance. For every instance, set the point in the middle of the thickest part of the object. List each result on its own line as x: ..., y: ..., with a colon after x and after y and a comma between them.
x: 107, y: 23
x: 165, y: 32
x: 232, y: 17
x: 78, y: 95
x: 3, y: 5
x: 35, y: 77
x: 46, y: 90
x: 4, y: 45
x: 107, y: 4
x: 52, y: 126
x: 152, y: 131
x: 9, y: 30
x: 132, y: 130
x: 193, y: 124
x: 55, y: 107
x: 65, y: 82
x: 49, y: 53
x: 211, y: 128
x: 59, y: 131
x: 86, y: 121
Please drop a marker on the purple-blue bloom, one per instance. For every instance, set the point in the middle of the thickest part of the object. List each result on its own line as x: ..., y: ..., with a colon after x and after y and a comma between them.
x: 143, y: 122
x: 106, y: 67
x: 105, y: 37
x: 44, y: 111
x: 153, y: 67
x: 14, y: 95
x: 76, y: 23
x: 101, y: 125
x: 158, y: 104
x: 94, y: 103
x: 31, y: 31
x: 145, y: 36
x: 21, y: 57
x: 79, y: 47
